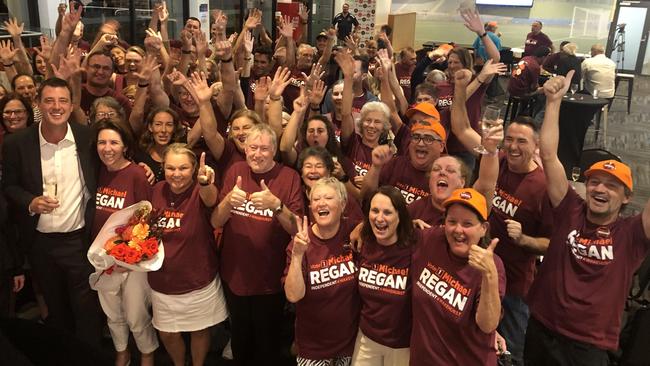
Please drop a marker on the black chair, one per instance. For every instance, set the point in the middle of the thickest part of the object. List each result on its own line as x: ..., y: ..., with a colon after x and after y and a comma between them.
x: 590, y: 156
x: 516, y: 105
x: 507, y: 57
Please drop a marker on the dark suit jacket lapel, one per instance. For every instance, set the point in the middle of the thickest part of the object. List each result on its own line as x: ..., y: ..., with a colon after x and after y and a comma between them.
x: 33, y: 159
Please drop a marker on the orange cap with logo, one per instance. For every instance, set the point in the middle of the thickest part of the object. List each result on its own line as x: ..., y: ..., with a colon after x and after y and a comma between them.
x: 469, y: 197
x: 619, y: 170
x: 430, y: 124
x: 426, y: 108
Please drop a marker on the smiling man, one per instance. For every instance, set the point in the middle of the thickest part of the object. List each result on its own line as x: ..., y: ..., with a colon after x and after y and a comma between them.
x: 55, y: 228
x: 577, y: 299
x: 259, y: 199
x: 98, y: 82
x: 408, y: 172
x: 522, y: 225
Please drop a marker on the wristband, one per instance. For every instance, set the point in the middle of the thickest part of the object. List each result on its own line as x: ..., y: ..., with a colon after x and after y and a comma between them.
x: 143, y: 85
x: 275, y: 99
x: 10, y: 65
x: 483, y: 35
x: 495, y: 153
x: 479, y: 80
x: 226, y: 61
x: 186, y: 52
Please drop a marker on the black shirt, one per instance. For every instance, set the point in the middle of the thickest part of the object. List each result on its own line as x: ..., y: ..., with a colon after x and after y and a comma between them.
x: 345, y: 24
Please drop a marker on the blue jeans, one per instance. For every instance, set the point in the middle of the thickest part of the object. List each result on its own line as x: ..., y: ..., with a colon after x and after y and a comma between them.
x: 513, y: 326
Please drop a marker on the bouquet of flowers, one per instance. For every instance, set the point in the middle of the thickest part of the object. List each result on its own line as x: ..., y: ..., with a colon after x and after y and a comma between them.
x: 130, y: 239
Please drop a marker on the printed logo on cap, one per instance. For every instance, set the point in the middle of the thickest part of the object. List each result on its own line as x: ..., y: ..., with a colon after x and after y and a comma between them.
x: 609, y: 166
x: 466, y: 195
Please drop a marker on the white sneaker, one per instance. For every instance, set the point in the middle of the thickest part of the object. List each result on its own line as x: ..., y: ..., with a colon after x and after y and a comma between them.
x: 227, y: 352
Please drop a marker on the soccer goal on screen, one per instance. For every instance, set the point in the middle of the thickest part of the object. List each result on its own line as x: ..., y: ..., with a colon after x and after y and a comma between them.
x: 589, y: 23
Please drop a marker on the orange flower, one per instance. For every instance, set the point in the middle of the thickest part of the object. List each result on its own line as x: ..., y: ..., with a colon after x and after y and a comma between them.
x: 132, y: 255
x: 119, y: 251
x: 140, y: 231
x: 110, y: 243
x: 149, y: 247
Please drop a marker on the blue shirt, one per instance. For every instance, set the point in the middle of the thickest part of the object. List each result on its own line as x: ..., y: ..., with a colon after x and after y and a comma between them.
x: 479, y: 47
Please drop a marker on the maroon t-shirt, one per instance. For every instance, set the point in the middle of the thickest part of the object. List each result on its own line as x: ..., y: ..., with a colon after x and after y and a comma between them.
x: 535, y: 41
x: 229, y: 156
x: 586, y: 274
x: 254, y: 242
x: 446, y: 292
x: 190, y: 252
x: 424, y: 210
x: 188, y: 121
x: 292, y: 91
x: 359, y: 153
x: 411, y: 182
x: 525, y: 77
x: 385, y: 292
x: 87, y: 100
x: 118, y: 190
x: 519, y: 197
x: 404, y: 77
x: 327, y: 316
x: 473, y: 104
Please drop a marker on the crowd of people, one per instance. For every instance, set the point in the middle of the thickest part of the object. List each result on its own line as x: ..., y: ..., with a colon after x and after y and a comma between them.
x: 343, y: 178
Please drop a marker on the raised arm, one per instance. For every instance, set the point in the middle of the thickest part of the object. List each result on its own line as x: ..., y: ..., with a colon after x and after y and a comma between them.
x: 235, y: 198
x: 536, y: 245
x: 205, y: 176
x: 153, y: 78
x: 69, y: 69
x: 290, y: 134
x: 473, y: 23
x: 286, y: 31
x: 23, y: 64
x: 280, y: 81
x: 460, y: 125
x: 148, y: 67
x: 7, y: 56
x: 327, y: 52
x: 489, y: 167
x: 488, y: 311
x: 556, y: 181
x: 346, y: 63
x: 223, y: 51
x: 383, y: 74
x: 381, y: 155
x: 68, y: 25
x: 489, y: 70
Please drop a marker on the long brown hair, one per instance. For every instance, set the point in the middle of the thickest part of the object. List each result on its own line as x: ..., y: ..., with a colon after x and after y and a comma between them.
x: 405, y: 233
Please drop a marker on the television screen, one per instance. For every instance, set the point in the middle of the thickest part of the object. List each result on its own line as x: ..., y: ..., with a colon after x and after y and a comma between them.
x: 505, y: 2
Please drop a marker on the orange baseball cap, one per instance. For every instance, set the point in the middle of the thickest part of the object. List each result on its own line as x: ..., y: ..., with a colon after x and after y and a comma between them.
x: 619, y: 170
x: 469, y: 197
x: 425, y: 107
x: 430, y: 124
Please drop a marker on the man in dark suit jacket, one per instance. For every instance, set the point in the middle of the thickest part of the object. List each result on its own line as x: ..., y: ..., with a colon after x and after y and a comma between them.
x: 50, y: 174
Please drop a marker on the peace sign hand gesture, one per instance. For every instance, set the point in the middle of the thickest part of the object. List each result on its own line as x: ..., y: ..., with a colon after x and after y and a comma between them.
x: 301, y: 239
x: 205, y: 174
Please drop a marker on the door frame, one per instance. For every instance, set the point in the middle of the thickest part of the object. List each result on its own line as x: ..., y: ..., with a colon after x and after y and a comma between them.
x: 644, y: 37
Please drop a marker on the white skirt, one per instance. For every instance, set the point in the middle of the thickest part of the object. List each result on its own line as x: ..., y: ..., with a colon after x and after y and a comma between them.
x: 189, y: 312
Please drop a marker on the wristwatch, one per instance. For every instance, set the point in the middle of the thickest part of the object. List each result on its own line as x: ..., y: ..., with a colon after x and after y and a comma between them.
x: 278, y: 210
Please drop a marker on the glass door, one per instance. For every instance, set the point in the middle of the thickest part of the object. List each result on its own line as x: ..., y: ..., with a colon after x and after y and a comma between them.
x: 629, y: 38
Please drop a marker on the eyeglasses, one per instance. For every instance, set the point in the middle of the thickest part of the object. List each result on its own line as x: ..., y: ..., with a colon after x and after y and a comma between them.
x: 17, y: 112
x: 427, y: 139
x: 101, y: 115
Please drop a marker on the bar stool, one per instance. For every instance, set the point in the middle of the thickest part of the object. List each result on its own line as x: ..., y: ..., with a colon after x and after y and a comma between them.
x: 517, y: 104
x: 629, y: 78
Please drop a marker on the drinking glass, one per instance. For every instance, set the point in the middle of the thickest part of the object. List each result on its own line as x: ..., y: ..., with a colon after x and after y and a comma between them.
x: 575, y: 173
x: 489, y: 120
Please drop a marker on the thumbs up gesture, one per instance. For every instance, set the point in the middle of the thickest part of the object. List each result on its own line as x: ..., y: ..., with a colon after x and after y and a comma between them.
x: 205, y: 175
x: 264, y: 199
x: 301, y: 239
x: 482, y: 259
x: 237, y: 195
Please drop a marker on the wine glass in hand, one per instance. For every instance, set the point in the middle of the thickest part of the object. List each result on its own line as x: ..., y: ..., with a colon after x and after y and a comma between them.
x: 489, y: 120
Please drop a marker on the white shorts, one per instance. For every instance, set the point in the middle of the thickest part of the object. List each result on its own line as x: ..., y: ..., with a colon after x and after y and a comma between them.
x: 189, y: 312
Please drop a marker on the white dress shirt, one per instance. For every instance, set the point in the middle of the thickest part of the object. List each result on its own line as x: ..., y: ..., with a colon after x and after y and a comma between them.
x: 599, y: 73
x: 60, y: 163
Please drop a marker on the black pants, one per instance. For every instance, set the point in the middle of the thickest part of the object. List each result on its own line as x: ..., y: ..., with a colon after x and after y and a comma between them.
x: 61, y: 267
x: 546, y: 348
x: 256, y: 324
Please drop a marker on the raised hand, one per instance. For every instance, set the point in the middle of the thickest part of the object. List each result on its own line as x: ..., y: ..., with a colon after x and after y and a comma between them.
x: 301, y: 239
x: 220, y: 20
x: 472, y: 20
x: 237, y: 195
x: 317, y: 93
x: 198, y: 87
x: 490, y: 68
x: 69, y: 65
x: 483, y: 259
x: 61, y: 9
x: 232, y: 38
x: 163, y: 13
x: 108, y: 40
x: 492, y: 139
x: 556, y: 87
x: 350, y: 43
x: 46, y: 48
x: 262, y: 88
x: 338, y: 171
x: 264, y: 199
x: 316, y: 73
x: 462, y: 78
x: 70, y: 20
x: 514, y: 230
x: 381, y: 155
x: 223, y: 50
x: 249, y: 40
x: 205, y: 174
x: 300, y: 104
x: 254, y: 19
x: 7, y: 52
x: 303, y: 12
x: 286, y: 27
x: 385, y: 61
x: 186, y: 39
x: 345, y: 62
x: 13, y: 28
x: 148, y: 66
x: 280, y: 81
x: 201, y: 43
x: 177, y: 78
x: 153, y: 42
